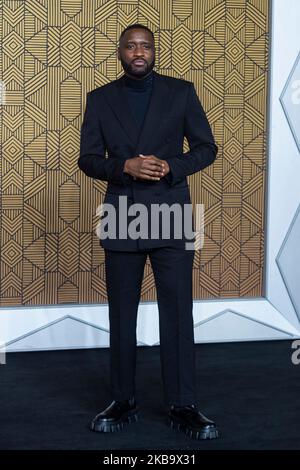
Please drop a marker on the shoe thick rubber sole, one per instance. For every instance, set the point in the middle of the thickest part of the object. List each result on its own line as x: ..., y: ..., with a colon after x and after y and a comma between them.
x: 106, y: 426
x: 208, y: 433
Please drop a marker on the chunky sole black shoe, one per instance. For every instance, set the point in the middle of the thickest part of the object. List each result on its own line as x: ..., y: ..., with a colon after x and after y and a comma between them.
x: 113, y: 418
x: 193, y: 433
x: 192, y: 423
x: 106, y: 426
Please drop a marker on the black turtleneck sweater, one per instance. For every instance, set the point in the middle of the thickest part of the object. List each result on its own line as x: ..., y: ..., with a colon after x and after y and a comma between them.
x: 138, y: 94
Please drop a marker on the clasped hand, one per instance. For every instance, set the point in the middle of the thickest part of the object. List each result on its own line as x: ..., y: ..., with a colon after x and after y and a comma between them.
x: 146, y: 167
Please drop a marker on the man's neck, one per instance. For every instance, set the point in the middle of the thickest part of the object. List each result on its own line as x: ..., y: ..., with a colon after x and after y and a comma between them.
x: 134, y: 77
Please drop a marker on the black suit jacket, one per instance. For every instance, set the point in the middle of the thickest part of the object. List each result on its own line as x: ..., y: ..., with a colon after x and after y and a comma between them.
x: 109, y: 127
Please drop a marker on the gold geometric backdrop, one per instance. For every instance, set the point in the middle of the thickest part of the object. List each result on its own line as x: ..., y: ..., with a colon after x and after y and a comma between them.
x: 53, y: 52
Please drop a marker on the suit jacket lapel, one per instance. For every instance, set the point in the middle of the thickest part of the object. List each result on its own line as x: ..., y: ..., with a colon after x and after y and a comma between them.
x: 159, y: 104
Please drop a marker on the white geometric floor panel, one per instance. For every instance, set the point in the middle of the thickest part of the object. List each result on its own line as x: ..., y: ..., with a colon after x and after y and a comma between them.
x: 234, y: 326
x: 72, y: 327
x: 65, y: 331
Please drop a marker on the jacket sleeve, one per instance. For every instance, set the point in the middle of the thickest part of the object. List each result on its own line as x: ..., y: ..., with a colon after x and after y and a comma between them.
x: 92, y: 159
x: 203, y: 149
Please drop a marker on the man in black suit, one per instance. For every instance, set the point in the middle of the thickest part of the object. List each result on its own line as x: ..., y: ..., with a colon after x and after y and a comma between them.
x: 141, y: 119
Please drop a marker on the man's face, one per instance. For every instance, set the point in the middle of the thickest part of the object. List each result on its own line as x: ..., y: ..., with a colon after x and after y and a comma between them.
x: 137, y: 53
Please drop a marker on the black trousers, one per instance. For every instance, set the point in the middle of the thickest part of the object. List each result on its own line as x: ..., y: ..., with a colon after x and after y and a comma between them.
x: 172, y: 269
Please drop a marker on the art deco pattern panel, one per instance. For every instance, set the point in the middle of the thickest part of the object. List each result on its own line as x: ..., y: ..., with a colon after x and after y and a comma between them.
x: 52, y: 53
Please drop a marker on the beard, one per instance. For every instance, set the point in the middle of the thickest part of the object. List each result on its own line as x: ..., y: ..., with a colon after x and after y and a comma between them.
x: 138, y: 72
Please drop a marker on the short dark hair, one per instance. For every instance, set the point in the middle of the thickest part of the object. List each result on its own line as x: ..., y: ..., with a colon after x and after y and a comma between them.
x: 136, y: 26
